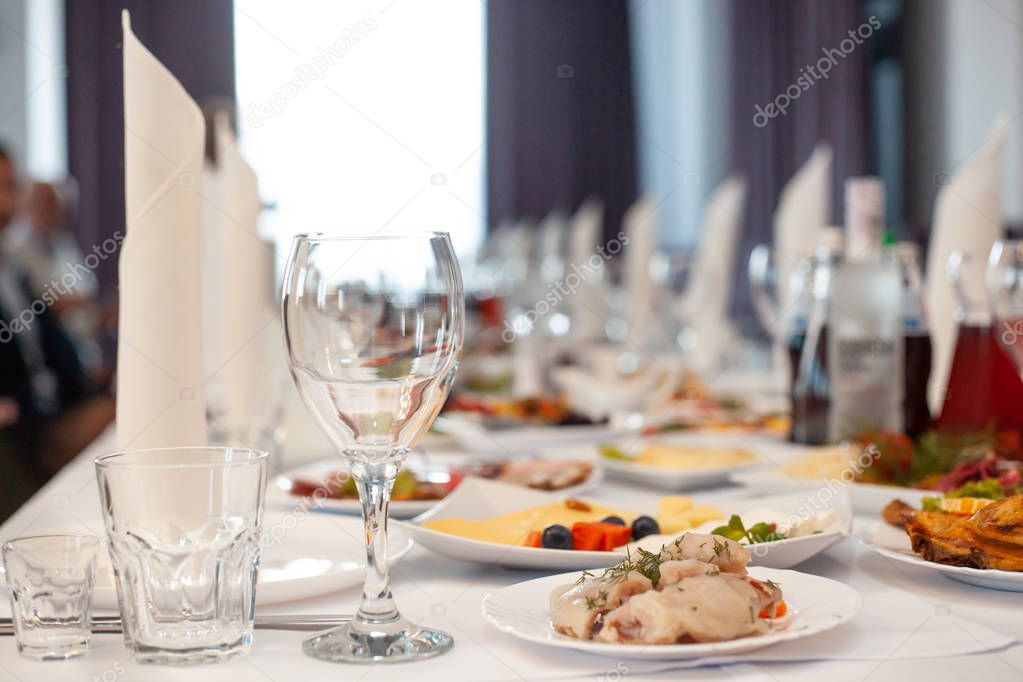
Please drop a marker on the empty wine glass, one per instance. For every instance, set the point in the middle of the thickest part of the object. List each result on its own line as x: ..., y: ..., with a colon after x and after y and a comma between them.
x: 374, y: 328
x: 1005, y: 297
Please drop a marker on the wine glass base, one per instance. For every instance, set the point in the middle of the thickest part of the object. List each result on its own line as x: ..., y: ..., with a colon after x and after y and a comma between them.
x: 345, y: 645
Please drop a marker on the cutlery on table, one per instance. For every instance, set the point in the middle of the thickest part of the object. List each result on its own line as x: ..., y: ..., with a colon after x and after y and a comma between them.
x: 112, y: 624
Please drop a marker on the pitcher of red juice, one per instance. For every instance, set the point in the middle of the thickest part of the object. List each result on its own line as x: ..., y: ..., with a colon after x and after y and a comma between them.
x: 984, y: 388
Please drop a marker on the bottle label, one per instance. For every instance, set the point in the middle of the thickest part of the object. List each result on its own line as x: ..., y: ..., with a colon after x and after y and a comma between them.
x: 865, y: 351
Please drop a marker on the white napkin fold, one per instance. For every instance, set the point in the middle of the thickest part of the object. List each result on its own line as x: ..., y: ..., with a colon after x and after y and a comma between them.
x: 241, y: 345
x: 586, y: 264
x: 550, y: 252
x: 804, y: 207
x: 967, y: 218
x: 704, y: 305
x: 160, y: 399
x: 640, y: 227
x: 600, y: 398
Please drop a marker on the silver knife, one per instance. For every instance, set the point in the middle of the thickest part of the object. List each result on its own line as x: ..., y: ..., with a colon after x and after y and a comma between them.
x: 108, y: 624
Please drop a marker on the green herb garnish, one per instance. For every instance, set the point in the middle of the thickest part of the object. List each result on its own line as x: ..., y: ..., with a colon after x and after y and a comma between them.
x: 613, y: 452
x: 736, y: 530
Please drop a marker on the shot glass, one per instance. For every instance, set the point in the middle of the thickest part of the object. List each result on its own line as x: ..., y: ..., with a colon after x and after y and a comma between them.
x: 50, y: 578
x: 183, y: 527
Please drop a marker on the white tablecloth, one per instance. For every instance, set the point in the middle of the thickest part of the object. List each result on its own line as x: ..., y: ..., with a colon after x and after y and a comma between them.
x: 445, y: 593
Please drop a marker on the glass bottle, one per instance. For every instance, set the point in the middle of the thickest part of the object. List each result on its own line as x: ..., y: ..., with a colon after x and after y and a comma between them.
x: 916, y: 337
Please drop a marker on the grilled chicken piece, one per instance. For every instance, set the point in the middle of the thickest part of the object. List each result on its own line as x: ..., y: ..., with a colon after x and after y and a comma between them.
x: 576, y: 609
x: 898, y: 513
x: 1002, y: 522
x: 704, y: 608
x: 992, y: 538
x: 728, y: 555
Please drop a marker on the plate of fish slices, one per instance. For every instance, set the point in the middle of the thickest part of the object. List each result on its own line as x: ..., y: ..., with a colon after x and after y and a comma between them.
x: 694, y: 598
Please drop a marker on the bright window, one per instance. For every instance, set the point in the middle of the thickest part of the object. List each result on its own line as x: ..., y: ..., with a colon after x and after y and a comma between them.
x: 359, y: 115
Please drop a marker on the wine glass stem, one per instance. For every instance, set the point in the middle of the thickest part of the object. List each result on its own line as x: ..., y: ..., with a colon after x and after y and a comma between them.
x: 374, y: 481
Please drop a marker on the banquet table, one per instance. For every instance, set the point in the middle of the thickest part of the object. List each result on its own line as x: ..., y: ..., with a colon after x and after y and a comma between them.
x: 890, y: 639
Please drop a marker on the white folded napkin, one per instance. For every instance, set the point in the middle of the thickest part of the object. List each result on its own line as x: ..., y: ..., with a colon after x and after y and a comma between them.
x: 241, y: 344
x: 160, y: 399
x: 704, y: 305
x: 600, y: 398
x: 967, y: 218
x: 550, y: 252
x: 640, y: 227
x: 804, y: 207
x: 584, y: 272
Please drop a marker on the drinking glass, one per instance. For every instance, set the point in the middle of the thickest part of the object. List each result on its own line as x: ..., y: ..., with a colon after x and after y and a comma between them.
x: 1005, y: 296
x: 51, y: 579
x: 374, y: 328
x: 183, y: 527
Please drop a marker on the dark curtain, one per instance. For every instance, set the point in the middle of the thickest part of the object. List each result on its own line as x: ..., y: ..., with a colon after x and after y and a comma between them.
x: 772, y: 41
x: 560, y: 124
x: 193, y: 38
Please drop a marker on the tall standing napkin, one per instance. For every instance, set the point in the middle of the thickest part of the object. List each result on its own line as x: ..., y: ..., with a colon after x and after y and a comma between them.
x: 641, y: 231
x: 588, y: 313
x: 242, y: 346
x: 704, y: 305
x: 967, y: 218
x: 160, y: 400
x: 804, y: 207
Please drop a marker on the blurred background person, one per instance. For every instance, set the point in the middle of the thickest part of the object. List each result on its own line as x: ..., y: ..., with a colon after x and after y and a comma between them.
x: 44, y: 243
x: 48, y: 411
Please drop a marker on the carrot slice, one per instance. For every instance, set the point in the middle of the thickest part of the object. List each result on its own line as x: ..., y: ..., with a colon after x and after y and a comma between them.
x: 533, y: 539
x: 780, y: 610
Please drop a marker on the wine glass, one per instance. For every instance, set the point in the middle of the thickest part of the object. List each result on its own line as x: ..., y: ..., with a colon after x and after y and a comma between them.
x: 1005, y: 296
x: 374, y: 329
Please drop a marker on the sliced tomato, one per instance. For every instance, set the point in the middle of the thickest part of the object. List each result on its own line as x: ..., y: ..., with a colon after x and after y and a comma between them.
x: 598, y: 536
x: 533, y: 539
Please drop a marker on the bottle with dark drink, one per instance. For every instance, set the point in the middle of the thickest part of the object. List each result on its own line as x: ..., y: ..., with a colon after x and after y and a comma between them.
x: 916, y: 337
x: 801, y: 293
x: 811, y: 398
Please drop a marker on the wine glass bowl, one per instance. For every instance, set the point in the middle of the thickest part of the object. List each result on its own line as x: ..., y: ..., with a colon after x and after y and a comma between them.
x: 374, y: 329
x: 1005, y: 297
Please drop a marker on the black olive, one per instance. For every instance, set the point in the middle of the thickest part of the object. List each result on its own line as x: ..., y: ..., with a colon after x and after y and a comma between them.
x: 616, y: 520
x: 644, y: 526
x: 556, y: 536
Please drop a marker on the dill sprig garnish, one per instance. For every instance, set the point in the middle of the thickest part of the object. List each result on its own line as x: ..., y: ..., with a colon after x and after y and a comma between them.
x: 647, y: 564
x: 598, y: 603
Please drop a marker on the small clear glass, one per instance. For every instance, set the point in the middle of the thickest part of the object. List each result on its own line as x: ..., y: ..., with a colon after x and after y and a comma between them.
x: 183, y: 526
x: 50, y: 578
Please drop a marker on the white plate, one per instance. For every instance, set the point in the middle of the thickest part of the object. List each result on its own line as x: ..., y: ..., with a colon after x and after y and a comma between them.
x: 477, y: 498
x: 279, y: 497
x: 818, y: 604
x: 867, y: 498
x: 480, y: 499
x: 793, y: 551
x: 670, y: 479
x: 893, y: 543
x: 303, y: 555
x: 476, y: 437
